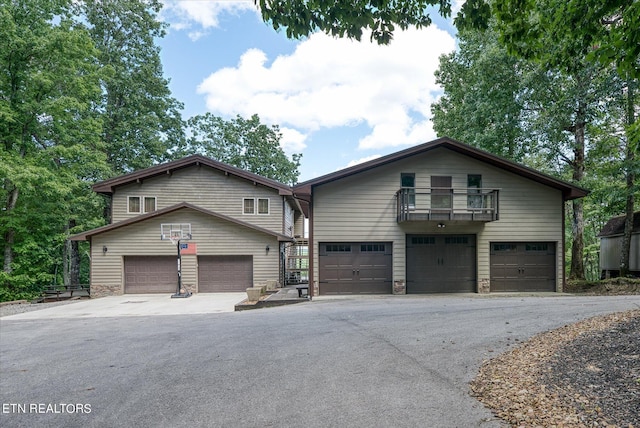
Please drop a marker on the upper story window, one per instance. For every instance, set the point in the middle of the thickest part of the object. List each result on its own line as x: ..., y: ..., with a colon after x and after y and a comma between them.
x: 255, y: 206
x: 408, y: 182
x: 474, y: 186
x: 141, y: 204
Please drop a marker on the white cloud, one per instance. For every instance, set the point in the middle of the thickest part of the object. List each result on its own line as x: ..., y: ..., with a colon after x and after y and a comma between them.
x: 292, y: 140
x: 362, y: 160
x: 183, y: 14
x: 328, y: 82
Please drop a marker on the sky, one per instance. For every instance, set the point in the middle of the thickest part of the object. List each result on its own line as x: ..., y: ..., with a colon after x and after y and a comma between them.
x: 339, y: 102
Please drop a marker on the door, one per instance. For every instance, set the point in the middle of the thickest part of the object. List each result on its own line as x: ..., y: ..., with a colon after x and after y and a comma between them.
x: 150, y: 274
x: 441, y: 264
x: 523, y: 266
x: 441, y: 197
x: 220, y: 274
x: 355, y: 268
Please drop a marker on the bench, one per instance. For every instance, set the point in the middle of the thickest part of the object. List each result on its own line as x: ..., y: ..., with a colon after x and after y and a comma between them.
x: 302, y: 288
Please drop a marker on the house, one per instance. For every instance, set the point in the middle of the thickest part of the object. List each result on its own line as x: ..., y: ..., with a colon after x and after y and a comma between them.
x: 611, y: 244
x: 436, y: 218
x: 234, y: 228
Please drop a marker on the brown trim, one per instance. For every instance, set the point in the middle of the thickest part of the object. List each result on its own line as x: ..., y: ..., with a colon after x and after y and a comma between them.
x: 563, y: 249
x: 109, y: 186
x: 84, y: 236
x: 311, y: 249
x: 569, y: 191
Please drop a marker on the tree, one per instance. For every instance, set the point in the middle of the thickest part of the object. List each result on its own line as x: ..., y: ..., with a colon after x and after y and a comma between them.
x: 245, y: 143
x: 566, y: 34
x: 48, y: 135
x: 142, y: 123
x: 485, y: 96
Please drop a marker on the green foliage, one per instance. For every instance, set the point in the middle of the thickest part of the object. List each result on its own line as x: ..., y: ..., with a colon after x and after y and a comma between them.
x: 300, y: 18
x: 141, y: 120
x: 245, y: 143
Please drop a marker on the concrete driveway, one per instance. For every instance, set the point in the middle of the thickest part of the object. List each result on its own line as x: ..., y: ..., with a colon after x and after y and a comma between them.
x: 385, y: 361
x: 138, y: 305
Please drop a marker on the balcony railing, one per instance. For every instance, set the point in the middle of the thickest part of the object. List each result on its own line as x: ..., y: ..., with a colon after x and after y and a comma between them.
x: 440, y: 204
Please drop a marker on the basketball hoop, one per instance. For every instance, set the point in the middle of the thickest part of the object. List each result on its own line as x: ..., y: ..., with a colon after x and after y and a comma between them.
x: 176, y: 233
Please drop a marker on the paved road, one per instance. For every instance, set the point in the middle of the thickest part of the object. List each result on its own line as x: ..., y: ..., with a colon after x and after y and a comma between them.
x: 370, y: 362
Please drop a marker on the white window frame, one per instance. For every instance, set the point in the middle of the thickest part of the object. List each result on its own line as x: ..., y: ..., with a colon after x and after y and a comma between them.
x: 143, y: 206
x: 139, y: 205
x: 253, y: 211
x: 258, y: 206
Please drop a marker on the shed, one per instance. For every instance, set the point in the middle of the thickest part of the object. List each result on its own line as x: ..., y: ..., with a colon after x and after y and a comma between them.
x: 611, y: 243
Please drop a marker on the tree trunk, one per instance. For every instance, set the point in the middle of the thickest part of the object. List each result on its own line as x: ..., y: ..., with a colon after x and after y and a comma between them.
x: 577, y: 226
x: 71, y: 259
x: 632, y: 146
x: 10, y: 233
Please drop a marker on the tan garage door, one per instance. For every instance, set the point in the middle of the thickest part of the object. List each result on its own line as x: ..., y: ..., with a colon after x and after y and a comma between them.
x: 150, y: 274
x: 219, y: 274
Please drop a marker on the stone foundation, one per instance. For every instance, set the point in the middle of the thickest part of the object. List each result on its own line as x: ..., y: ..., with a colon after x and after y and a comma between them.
x: 484, y: 286
x: 103, y: 290
x: 399, y: 287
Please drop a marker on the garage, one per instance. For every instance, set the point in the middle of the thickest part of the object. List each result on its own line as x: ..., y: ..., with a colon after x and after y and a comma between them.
x: 441, y: 264
x: 150, y: 274
x: 224, y: 274
x: 355, y: 268
x: 523, y: 266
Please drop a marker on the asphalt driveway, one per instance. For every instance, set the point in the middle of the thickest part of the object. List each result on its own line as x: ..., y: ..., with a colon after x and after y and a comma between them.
x: 388, y: 361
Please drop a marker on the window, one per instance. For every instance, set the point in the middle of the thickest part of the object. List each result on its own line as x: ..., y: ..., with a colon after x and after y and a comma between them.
x: 372, y: 248
x: 423, y: 240
x: 141, y: 204
x: 504, y: 247
x: 338, y: 248
x: 134, y: 205
x: 149, y: 204
x: 474, y: 186
x: 537, y: 247
x: 249, y: 206
x: 408, y: 183
x: 263, y: 206
x: 456, y: 240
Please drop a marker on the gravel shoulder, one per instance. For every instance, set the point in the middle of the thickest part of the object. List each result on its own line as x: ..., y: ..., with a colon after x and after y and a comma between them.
x: 581, y: 375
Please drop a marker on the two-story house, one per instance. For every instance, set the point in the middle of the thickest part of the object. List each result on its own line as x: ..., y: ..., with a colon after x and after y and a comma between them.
x: 434, y: 218
x: 235, y: 227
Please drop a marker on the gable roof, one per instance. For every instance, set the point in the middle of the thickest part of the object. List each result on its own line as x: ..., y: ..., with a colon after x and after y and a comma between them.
x: 615, y: 225
x: 84, y: 236
x: 569, y: 191
x: 108, y: 186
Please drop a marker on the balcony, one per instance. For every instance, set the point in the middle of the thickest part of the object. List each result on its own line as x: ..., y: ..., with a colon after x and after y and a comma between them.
x: 440, y: 204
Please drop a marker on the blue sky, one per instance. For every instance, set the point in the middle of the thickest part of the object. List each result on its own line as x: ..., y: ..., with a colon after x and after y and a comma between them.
x: 338, y: 102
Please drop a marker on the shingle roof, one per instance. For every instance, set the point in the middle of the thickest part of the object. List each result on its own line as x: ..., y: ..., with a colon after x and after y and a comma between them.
x: 615, y: 225
x: 88, y: 234
x: 108, y: 186
x: 569, y: 191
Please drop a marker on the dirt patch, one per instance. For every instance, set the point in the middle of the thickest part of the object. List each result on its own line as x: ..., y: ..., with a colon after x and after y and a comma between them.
x: 582, y: 375
x: 606, y: 287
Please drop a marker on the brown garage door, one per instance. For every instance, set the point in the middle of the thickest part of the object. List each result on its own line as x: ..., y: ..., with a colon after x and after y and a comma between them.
x: 220, y: 274
x: 150, y: 274
x: 441, y: 263
x: 355, y: 268
x: 523, y: 266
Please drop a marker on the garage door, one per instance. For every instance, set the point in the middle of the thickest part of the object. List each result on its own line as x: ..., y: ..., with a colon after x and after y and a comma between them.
x: 150, y: 274
x: 441, y: 263
x: 220, y: 274
x: 355, y: 268
x: 523, y: 266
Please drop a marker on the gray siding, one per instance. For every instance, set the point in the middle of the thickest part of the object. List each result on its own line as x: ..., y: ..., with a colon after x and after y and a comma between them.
x: 212, y: 236
x: 363, y: 208
x: 610, y: 253
x: 204, y: 187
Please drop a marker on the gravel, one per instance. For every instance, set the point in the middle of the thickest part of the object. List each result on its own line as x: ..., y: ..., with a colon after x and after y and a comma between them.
x: 581, y: 375
x: 19, y: 308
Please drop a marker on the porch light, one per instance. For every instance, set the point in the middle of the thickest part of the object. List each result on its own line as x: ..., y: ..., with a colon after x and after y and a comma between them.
x: 442, y: 225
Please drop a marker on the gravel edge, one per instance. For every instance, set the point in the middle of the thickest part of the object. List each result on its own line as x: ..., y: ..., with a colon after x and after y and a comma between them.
x: 513, y: 385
